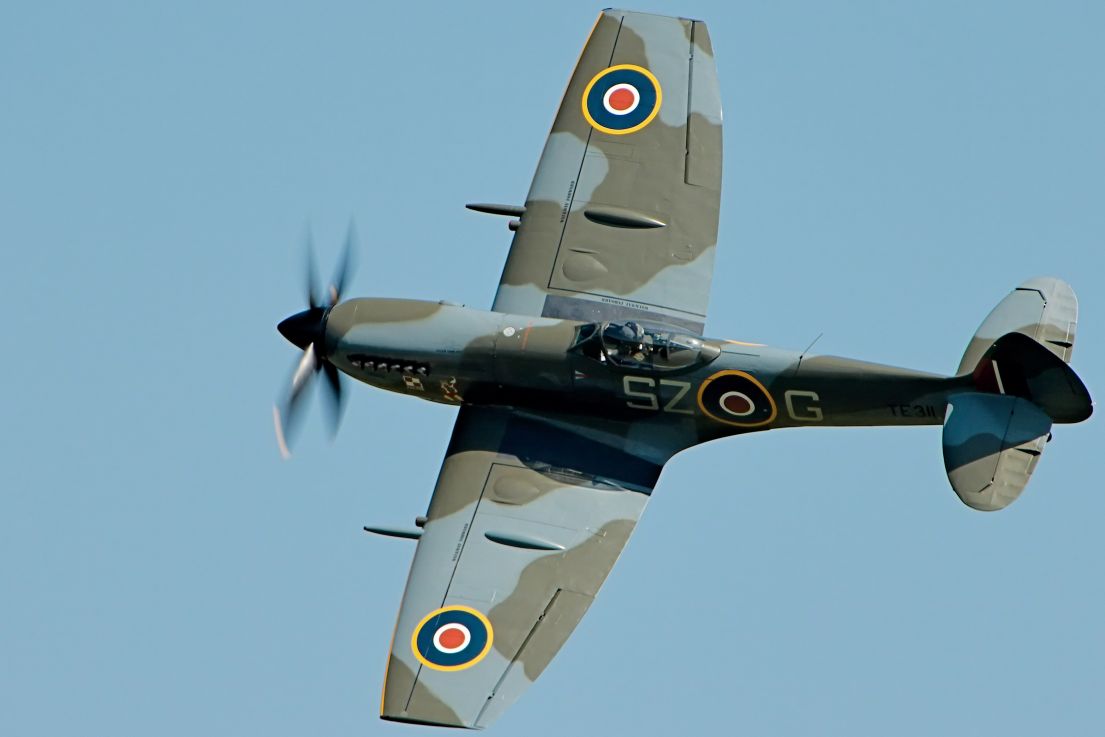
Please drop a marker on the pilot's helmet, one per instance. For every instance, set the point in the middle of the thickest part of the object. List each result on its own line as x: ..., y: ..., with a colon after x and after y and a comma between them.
x: 621, y: 332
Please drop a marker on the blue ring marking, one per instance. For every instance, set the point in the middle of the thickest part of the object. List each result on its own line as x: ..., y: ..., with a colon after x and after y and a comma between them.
x: 474, y: 648
x: 645, y: 88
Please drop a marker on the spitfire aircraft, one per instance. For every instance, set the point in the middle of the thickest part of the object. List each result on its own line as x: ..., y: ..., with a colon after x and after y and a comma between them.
x: 592, y: 370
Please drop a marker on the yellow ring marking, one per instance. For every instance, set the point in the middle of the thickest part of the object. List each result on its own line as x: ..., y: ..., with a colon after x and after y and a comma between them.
x: 754, y: 380
x: 455, y: 608
x: 643, y: 123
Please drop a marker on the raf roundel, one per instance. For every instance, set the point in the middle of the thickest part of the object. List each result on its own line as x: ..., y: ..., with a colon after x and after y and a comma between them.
x: 452, y: 638
x: 622, y: 99
x: 736, y: 398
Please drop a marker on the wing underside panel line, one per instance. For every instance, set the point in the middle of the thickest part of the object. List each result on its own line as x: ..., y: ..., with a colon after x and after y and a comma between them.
x: 514, y: 660
x: 579, y: 173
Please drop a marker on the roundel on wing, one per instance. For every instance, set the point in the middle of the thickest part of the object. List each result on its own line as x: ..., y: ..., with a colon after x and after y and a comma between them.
x: 736, y: 398
x: 622, y: 99
x: 452, y: 638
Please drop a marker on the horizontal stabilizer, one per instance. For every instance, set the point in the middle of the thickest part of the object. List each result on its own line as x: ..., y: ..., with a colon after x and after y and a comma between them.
x: 1043, y: 308
x: 991, y: 445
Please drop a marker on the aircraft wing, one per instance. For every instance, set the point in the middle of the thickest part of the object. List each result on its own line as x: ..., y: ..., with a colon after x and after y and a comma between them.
x: 621, y: 219
x: 528, y: 517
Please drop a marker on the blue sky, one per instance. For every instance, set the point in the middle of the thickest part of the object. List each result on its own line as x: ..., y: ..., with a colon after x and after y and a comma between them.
x: 892, y: 171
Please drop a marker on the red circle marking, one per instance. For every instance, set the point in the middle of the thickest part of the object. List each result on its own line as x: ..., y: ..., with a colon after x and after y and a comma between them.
x: 621, y: 99
x: 737, y: 404
x: 451, y: 637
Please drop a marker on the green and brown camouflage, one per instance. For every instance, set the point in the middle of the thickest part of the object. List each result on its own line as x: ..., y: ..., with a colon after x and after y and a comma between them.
x: 591, y: 372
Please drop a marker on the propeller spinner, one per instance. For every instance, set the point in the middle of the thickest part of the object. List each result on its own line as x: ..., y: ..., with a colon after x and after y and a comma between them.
x: 307, y: 330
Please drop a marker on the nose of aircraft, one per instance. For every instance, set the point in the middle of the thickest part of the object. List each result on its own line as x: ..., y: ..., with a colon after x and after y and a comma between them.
x: 304, y: 328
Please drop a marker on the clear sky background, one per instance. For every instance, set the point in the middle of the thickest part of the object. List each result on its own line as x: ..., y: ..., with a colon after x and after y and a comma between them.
x: 892, y: 170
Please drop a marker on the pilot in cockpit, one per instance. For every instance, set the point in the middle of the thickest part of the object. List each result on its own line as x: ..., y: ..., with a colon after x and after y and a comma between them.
x: 630, y: 345
x: 626, y: 341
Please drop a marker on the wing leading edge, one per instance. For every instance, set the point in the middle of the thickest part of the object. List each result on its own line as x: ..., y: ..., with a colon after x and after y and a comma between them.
x: 621, y: 218
x: 528, y: 517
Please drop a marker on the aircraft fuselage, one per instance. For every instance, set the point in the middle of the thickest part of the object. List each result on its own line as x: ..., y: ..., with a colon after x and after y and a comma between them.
x: 457, y: 355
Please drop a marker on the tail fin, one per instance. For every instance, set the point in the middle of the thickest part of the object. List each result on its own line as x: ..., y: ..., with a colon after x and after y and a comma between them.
x: 1017, y: 364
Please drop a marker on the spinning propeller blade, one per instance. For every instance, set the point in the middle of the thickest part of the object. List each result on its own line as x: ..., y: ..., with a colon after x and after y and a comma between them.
x: 312, y: 272
x: 333, y: 394
x: 345, y: 265
x: 307, y: 330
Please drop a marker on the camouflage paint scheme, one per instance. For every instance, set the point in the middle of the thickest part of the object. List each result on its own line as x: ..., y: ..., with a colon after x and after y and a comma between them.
x: 591, y: 372
x: 564, y: 264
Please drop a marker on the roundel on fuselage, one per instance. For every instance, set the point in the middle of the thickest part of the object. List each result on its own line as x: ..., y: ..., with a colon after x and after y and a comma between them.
x: 736, y: 398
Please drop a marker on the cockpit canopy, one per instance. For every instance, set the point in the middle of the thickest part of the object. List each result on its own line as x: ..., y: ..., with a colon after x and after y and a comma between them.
x: 631, y: 345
